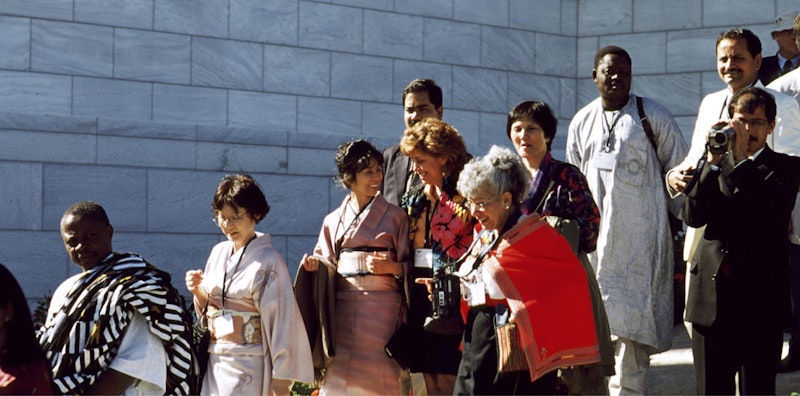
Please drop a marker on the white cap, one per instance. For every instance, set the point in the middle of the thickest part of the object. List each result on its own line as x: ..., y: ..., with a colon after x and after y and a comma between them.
x: 785, y: 20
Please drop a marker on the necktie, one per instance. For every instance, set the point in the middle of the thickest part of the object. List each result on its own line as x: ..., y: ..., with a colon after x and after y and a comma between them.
x: 787, y: 67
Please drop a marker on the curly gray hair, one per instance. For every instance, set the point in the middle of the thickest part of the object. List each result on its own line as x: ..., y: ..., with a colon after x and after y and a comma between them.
x: 498, y: 171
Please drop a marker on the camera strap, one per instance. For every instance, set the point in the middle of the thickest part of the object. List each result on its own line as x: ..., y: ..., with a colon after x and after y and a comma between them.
x: 487, y: 240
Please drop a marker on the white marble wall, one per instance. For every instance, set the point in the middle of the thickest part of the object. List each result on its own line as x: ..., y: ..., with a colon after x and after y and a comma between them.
x: 144, y: 104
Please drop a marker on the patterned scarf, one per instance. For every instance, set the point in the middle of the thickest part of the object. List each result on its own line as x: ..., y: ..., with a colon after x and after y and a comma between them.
x: 84, y: 336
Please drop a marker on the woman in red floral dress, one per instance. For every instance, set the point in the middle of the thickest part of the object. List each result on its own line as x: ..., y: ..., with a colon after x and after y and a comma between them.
x: 441, y: 229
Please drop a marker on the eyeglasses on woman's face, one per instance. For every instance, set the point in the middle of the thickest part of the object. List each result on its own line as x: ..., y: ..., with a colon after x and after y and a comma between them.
x: 223, y: 221
x: 481, y: 206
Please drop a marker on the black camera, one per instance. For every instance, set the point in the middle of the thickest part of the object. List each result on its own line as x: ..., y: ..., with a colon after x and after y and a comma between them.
x: 446, y: 318
x: 721, y: 138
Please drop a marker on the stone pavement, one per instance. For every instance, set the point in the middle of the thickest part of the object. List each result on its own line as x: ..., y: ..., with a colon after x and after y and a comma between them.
x: 671, y: 372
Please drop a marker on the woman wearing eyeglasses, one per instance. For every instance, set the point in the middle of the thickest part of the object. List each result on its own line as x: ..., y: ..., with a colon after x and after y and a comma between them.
x: 258, y: 340
x: 521, y: 280
x: 441, y: 231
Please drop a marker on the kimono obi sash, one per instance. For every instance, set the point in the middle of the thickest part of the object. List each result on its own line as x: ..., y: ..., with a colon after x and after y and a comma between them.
x: 352, y: 267
x: 246, y: 327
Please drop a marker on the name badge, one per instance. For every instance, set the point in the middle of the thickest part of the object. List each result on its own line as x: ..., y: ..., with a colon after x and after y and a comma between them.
x: 223, y: 325
x: 477, y: 294
x: 604, y: 161
x: 423, y: 258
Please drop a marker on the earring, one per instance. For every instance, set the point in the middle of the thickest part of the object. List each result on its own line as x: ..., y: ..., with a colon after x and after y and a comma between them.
x: 508, y: 207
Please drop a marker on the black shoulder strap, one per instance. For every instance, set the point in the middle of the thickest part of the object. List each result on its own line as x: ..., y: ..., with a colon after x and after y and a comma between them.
x: 646, y: 124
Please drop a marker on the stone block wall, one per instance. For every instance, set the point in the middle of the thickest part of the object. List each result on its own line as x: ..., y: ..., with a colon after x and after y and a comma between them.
x: 143, y: 105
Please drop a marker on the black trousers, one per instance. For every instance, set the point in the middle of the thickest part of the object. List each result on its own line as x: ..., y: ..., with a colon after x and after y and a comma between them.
x: 477, y: 373
x: 735, y: 345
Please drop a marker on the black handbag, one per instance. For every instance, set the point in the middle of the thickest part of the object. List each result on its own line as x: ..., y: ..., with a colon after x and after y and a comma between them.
x: 201, y: 338
x: 401, y: 345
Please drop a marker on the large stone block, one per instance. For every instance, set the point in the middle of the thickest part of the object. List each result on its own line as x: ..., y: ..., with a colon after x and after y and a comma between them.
x: 407, y: 71
x: 440, y: 46
x: 480, y: 89
x: 646, y: 50
x: 50, y: 9
x: 15, y: 43
x: 173, y: 253
x: 587, y: 48
x: 47, y: 147
x: 467, y: 123
x: 121, y: 191
x: 507, y: 49
x: 663, y: 15
x: 72, y: 48
x: 261, y: 110
x: 555, y: 55
x: 314, y: 162
x: 224, y: 134
x: 265, y: 21
x: 195, y: 17
x: 146, y: 129
x: 35, y: 93
x: 121, y: 13
x: 383, y: 120
x: 393, y: 35
x: 360, y: 77
x: 536, y: 16
x: 319, y: 140
x: 485, y: 12
x: 152, y: 56
x: 430, y: 8
x: 179, y: 201
x: 297, y: 70
x: 680, y: 93
x: 37, y: 260
x: 104, y: 98
x: 226, y: 63
x: 246, y: 158
x: 568, y: 88
x: 296, y: 247
x: 43, y: 122
x: 21, y: 195
x: 194, y: 105
x: 331, y: 27
x: 328, y: 116
x: 569, y: 16
x: 721, y: 13
x: 492, y: 132
x: 298, y: 203
x: 385, y: 5
x: 691, y: 50
x: 599, y: 17
x: 533, y: 87
x: 143, y: 152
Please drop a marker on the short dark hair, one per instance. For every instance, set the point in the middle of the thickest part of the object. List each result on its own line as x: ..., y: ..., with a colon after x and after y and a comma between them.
x: 90, y: 210
x: 748, y: 99
x: 21, y: 344
x: 425, y: 85
x: 241, y: 191
x: 752, y: 41
x: 537, y: 111
x: 611, y: 50
x: 353, y: 157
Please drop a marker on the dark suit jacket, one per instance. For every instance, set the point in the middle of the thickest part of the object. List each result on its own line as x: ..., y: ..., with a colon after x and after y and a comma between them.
x: 770, y: 69
x: 395, y: 174
x: 746, y: 212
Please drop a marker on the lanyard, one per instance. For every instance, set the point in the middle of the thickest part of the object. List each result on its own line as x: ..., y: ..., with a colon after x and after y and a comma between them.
x: 607, y: 146
x: 428, y: 219
x: 339, y: 242
x: 225, y: 271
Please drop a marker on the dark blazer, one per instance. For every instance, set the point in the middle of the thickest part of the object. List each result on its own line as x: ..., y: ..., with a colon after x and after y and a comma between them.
x: 770, y: 69
x: 746, y: 211
x: 396, y: 169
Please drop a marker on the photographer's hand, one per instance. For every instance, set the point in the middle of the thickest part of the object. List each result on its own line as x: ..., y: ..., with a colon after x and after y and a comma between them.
x: 741, y: 141
x: 678, y: 179
x: 427, y: 282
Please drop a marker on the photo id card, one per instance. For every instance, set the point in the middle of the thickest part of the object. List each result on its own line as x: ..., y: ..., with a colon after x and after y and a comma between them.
x: 223, y: 325
x: 604, y: 161
x: 477, y: 294
x: 423, y: 258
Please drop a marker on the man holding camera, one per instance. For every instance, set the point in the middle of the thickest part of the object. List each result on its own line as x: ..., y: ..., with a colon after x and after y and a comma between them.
x: 738, y: 300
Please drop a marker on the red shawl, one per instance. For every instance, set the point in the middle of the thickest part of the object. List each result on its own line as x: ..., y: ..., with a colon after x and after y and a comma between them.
x: 548, y: 293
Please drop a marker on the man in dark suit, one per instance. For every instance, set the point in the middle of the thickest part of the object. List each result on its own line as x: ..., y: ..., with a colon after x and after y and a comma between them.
x: 788, y: 55
x: 738, y: 299
x: 422, y: 98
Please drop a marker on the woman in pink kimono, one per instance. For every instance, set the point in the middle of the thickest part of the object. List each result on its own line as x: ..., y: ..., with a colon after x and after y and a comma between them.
x: 365, y: 241
x: 258, y: 341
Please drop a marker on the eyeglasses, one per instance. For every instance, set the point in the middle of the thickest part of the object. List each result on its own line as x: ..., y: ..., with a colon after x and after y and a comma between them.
x: 757, y: 123
x: 219, y: 220
x: 481, y: 206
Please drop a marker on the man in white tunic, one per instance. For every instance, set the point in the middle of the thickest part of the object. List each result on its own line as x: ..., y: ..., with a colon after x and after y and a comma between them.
x: 634, y: 265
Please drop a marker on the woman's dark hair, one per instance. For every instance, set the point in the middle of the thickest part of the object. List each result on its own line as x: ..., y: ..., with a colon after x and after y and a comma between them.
x: 241, y: 191
x: 353, y: 157
x: 21, y: 343
x: 537, y: 111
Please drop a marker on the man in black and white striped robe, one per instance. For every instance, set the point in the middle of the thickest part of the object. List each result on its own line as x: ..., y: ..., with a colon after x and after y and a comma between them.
x: 119, y: 326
